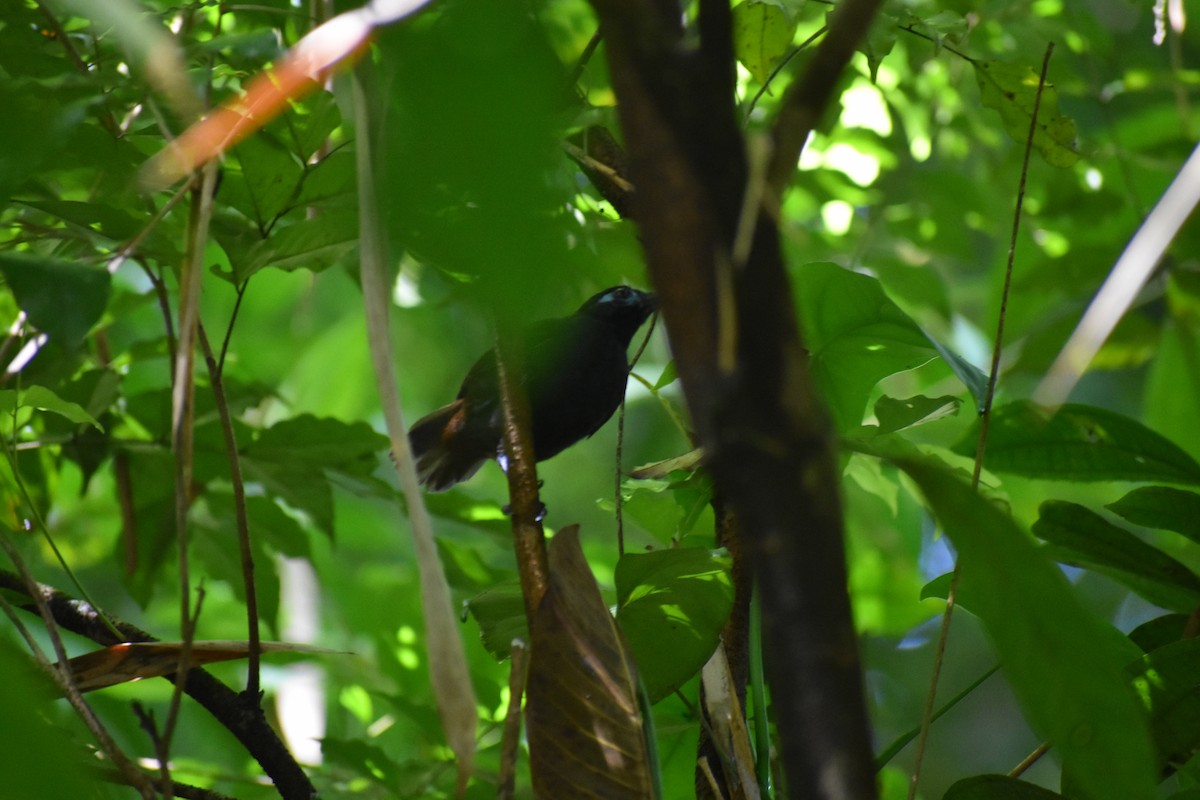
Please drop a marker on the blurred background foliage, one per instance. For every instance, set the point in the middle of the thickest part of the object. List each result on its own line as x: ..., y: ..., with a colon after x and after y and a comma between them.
x: 910, y: 181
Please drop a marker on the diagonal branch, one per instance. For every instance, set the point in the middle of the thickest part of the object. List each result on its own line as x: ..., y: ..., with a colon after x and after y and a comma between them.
x: 807, y: 98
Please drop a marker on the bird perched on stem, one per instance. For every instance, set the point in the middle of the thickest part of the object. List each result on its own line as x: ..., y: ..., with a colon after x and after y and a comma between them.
x: 575, y: 369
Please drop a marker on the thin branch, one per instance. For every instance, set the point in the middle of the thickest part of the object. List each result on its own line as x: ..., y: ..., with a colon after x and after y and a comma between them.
x: 241, y: 517
x: 237, y: 306
x: 618, y: 499
x: 183, y: 391
x: 584, y: 57
x: 783, y: 62
x: 510, y: 740
x: 1029, y: 760
x: 981, y: 444
x: 529, y: 539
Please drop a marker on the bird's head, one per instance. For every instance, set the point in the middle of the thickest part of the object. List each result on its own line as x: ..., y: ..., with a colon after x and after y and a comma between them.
x: 623, y: 307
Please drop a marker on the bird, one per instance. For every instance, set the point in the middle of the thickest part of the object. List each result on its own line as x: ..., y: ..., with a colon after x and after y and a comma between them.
x: 575, y: 370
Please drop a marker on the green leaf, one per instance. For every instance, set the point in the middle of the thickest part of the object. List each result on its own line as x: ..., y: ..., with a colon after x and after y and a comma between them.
x: 313, y: 244
x: 1160, y: 631
x: 1084, y: 538
x: 672, y: 605
x: 971, y: 376
x: 41, y: 398
x: 762, y: 34
x: 500, y: 614
x: 1064, y: 664
x: 320, y: 442
x: 1168, y: 682
x: 1162, y: 507
x: 896, y: 415
x: 997, y: 787
x: 856, y: 337
x: 1078, y: 443
x: 63, y: 299
x: 1011, y: 89
x: 269, y: 179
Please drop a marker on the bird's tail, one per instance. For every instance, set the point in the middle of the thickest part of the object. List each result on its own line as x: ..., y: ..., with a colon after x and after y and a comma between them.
x: 444, y: 450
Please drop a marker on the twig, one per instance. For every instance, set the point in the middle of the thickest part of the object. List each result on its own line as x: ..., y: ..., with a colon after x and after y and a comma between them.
x: 243, y: 525
x: 981, y: 444
x: 618, y: 499
x: 1029, y: 760
x: 183, y: 391
x: 237, y: 306
x: 584, y: 57
x: 510, y: 740
x: 783, y: 62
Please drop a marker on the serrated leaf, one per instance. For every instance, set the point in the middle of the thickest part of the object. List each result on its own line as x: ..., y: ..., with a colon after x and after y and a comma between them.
x: 61, y: 298
x: 1082, y: 537
x: 762, y: 34
x: 1011, y: 89
x: 1065, y: 665
x: 585, y: 730
x: 1078, y: 443
x: 672, y: 605
x: 1162, y: 507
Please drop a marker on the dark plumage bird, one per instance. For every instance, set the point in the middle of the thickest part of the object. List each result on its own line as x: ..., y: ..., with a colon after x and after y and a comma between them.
x: 575, y: 373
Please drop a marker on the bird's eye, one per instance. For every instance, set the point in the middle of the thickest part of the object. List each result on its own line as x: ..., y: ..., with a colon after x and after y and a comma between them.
x: 622, y: 293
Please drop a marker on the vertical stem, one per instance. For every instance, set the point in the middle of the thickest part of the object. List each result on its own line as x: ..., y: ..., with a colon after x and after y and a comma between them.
x: 981, y: 445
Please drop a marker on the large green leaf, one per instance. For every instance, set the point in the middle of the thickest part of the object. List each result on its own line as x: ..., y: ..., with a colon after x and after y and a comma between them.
x: 61, y: 298
x: 671, y: 606
x: 1081, y: 536
x: 1065, y: 665
x: 1078, y: 443
x: 586, y: 735
x: 856, y: 336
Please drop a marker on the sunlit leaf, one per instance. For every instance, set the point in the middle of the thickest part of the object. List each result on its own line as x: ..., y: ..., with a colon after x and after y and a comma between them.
x: 762, y: 34
x: 43, y: 399
x: 856, y: 335
x: 1011, y: 89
